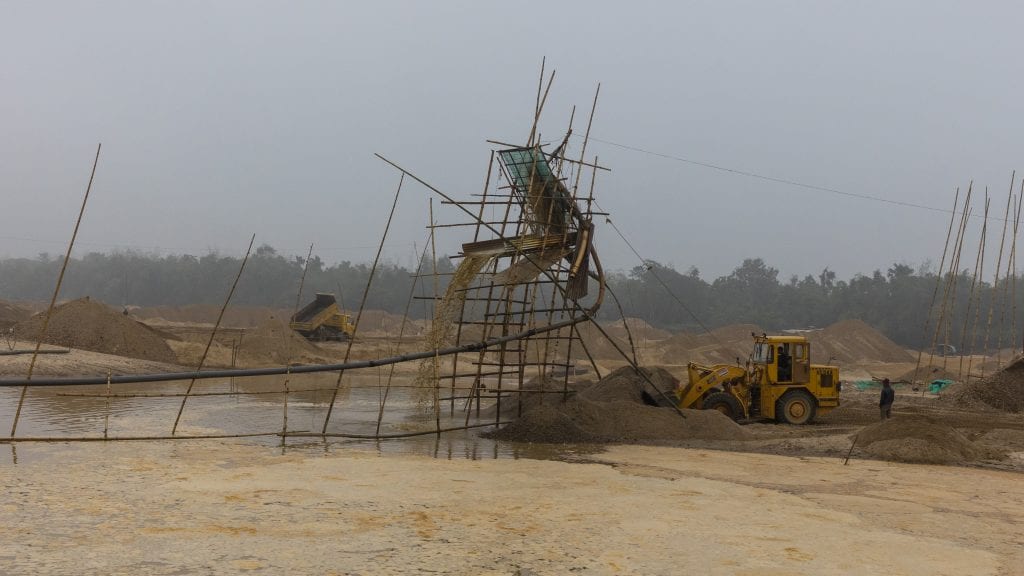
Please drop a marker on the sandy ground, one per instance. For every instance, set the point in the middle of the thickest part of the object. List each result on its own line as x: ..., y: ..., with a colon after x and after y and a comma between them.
x: 217, y: 508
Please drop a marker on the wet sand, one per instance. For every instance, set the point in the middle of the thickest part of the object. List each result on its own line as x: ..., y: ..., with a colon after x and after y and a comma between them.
x: 191, y: 507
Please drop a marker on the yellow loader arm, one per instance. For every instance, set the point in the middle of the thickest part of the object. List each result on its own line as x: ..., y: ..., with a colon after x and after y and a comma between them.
x: 704, y: 378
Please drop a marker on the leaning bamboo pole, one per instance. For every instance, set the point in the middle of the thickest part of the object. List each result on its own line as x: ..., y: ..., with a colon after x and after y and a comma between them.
x: 978, y: 258
x: 951, y: 275
x: 938, y: 282
x: 401, y: 335
x: 999, y: 266
x: 213, y: 334
x: 56, y: 291
x: 287, y: 344
x: 1013, y: 290
x: 977, y: 311
x: 436, y: 360
x: 462, y: 307
x: 362, y: 303
x: 1010, y: 278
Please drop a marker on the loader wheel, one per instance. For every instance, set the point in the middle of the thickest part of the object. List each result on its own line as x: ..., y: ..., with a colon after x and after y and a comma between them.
x: 725, y: 403
x: 796, y: 407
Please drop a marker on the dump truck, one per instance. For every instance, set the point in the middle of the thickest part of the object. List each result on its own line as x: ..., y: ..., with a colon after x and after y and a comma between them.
x: 778, y: 382
x: 322, y: 319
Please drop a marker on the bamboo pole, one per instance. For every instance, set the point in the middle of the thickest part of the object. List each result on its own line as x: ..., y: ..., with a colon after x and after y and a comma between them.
x: 1013, y: 295
x: 951, y: 276
x: 938, y: 282
x: 488, y: 327
x: 213, y: 334
x: 56, y: 290
x: 106, y: 416
x: 398, y: 346
x: 476, y: 236
x: 586, y: 138
x: 977, y: 311
x: 536, y: 104
x: 999, y: 267
x: 978, y: 259
x: 362, y: 303
x: 437, y: 292
x: 955, y: 284
x: 1004, y: 302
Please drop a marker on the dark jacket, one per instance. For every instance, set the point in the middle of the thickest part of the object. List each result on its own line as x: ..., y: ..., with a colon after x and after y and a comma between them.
x: 888, y: 396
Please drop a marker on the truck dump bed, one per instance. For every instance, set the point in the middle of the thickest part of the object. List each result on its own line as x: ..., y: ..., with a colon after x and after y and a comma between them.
x: 309, y: 311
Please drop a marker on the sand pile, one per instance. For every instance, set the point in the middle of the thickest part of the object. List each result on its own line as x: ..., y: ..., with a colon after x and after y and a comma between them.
x: 1003, y: 390
x: 852, y: 341
x: 381, y: 323
x: 274, y: 343
x: 621, y: 385
x: 615, y: 410
x: 1003, y: 439
x: 626, y: 385
x: 598, y: 345
x: 720, y: 346
x: 919, y: 440
x: 90, y: 325
x: 11, y: 314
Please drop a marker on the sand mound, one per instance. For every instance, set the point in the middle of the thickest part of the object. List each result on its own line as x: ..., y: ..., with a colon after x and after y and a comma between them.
x: 1004, y: 390
x: 1003, y: 439
x: 379, y: 322
x: 625, y: 385
x: 720, y: 346
x: 598, y: 345
x: 851, y: 341
x: 11, y: 314
x: 273, y: 343
x: 615, y: 410
x: 90, y: 325
x: 918, y: 440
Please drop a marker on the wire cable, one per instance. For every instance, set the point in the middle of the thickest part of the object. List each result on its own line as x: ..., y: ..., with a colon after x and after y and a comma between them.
x: 650, y: 269
x: 771, y: 178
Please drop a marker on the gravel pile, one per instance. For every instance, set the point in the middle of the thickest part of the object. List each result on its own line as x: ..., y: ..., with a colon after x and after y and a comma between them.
x: 920, y: 441
x: 616, y: 409
x: 1003, y: 390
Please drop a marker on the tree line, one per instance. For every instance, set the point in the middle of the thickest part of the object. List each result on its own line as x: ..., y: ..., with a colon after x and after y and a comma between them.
x: 896, y: 301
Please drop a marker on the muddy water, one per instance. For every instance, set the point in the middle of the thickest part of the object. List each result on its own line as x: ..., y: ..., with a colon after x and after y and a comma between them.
x: 257, y: 405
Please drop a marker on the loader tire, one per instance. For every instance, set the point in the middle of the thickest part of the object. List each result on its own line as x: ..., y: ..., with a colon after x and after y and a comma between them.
x: 725, y: 403
x: 796, y: 407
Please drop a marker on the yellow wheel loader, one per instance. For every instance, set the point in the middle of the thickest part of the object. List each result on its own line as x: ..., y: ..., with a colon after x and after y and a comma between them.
x: 778, y: 382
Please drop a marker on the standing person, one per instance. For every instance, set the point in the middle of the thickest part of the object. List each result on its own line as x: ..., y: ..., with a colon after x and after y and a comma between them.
x: 885, y: 402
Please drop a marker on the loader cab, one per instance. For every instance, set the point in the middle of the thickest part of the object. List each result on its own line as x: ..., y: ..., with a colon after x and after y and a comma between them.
x: 786, y: 360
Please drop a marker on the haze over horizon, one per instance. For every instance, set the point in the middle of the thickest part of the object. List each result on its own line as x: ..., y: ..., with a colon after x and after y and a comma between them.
x: 223, y: 119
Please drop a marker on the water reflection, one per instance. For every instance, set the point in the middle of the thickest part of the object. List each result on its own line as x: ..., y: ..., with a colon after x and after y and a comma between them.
x: 81, y: 411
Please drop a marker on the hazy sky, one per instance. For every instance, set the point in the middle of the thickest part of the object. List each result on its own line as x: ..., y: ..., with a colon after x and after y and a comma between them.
x: 220, y: 119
